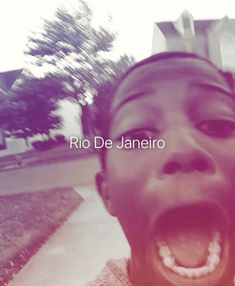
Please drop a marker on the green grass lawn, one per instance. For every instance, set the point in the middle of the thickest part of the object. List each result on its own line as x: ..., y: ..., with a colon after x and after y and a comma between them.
x: 26, y: 221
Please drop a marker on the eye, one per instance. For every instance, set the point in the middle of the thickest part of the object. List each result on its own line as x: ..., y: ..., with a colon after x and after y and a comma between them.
x: 217, y: 128
x: 139, y: 134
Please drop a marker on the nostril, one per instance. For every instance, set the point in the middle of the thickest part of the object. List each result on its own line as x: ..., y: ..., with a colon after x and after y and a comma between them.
x: 200, y: 165
x: 171, y: 167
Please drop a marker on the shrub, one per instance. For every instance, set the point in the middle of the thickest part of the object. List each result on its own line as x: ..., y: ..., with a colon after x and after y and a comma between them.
x: 60, y: 139
x: 43, y: 145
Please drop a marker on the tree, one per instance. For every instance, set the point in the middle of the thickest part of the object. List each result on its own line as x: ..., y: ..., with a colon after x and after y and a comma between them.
x: 70, y: 50
x: 5, y: 106
x: 32, y: 108
x: 104, y: 93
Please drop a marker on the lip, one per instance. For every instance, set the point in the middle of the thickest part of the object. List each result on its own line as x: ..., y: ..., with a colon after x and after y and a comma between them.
x: 216, y: 219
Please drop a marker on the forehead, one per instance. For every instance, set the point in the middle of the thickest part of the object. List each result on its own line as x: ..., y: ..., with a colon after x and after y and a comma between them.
x: 156, y: 73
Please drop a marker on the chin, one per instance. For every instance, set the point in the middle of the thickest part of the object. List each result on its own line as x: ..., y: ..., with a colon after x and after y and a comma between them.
x: 191, y: 245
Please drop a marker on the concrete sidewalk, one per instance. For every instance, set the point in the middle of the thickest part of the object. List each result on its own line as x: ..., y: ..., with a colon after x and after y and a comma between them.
x: 77, y: 252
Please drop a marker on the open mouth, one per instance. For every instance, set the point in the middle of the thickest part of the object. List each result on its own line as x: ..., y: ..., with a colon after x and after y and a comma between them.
x: 192, y: 241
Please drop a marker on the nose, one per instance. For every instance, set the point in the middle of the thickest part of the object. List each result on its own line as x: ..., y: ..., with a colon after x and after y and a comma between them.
x: 184, y: 154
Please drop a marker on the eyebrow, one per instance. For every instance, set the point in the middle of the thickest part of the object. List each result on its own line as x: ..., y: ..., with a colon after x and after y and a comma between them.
x: 214, y: 87
x: 208, y: 86
x: 129, y: 98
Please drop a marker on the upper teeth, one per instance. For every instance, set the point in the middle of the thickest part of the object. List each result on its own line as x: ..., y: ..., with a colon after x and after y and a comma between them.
x: 213, y: 259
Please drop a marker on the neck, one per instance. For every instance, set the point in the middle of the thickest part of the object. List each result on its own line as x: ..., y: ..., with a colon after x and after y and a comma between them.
x: 134, y: 275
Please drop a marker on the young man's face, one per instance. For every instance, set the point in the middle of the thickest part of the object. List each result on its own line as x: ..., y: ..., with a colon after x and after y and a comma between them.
x: 176, y: 205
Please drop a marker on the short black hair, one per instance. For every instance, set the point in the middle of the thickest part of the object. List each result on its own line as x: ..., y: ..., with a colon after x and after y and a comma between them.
x: 104, y: 98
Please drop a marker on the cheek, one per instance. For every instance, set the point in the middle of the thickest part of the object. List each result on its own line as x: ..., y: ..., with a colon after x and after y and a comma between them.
x: 224, y: 154
x: 129, y: 173
x: 129, y: 202
x: 135, y: 199
x: 226, y: 162
x: 132, y: 165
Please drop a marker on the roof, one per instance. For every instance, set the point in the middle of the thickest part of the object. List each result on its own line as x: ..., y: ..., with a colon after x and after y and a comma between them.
x: 200, y: 26
x: 167, y: 28
x: 8, y: 78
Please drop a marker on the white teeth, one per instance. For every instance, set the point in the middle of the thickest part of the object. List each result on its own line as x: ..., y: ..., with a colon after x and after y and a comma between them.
x: 164, y: 251
x: 191, y: 272
x: 169, y: 261
x: 214, y: 248
x: 213, y: 259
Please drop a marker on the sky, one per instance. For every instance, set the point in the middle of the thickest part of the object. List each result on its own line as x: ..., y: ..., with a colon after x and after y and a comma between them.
x: 132, y: 20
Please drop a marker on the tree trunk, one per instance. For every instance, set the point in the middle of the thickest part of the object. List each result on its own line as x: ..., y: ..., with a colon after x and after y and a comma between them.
x: 26, y: 141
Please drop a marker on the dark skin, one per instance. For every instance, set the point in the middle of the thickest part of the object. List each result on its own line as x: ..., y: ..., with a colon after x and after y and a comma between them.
x: 187, y: 103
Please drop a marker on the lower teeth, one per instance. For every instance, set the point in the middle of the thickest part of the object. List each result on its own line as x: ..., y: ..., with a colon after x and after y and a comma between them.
x: 213, y: 259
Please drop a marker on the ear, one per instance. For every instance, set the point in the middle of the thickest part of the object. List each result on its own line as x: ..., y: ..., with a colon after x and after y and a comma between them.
x: 104, y: 191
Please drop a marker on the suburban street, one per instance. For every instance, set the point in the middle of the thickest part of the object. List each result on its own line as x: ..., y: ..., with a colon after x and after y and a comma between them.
x: 35, y: 178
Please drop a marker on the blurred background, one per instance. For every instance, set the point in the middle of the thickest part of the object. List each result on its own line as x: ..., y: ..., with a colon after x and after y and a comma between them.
x: 57, y: 57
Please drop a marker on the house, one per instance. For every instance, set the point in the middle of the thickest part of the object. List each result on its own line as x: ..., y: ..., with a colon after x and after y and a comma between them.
x: 8, y: 79
x: 213, y: 39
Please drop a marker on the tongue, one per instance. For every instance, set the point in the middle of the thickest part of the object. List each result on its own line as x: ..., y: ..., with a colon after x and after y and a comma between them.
x: 189, y: 244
